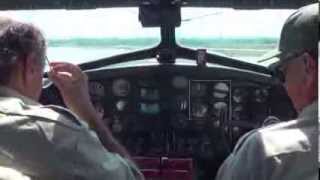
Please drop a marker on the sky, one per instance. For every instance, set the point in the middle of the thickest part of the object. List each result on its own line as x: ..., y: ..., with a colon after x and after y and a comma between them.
x: 123, y: 23
x: 116, y: 22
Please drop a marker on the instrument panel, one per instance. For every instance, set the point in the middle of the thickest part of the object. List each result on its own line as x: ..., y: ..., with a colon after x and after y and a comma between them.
x: 198, y: 114
x: 179, y: 115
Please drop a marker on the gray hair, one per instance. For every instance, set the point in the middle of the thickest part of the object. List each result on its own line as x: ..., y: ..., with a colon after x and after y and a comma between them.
x: 17, y: 41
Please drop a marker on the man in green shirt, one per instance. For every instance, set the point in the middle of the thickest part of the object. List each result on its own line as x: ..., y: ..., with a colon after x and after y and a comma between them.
x: 288, y: 150
x: 51, y: 142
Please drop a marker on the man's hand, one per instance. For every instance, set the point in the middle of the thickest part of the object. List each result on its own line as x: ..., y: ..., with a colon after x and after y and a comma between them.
x: 73, y: 86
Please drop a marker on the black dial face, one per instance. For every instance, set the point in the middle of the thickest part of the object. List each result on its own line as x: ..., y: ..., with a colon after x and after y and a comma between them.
x: 237, y: 113
x: 199, y: 109
x: 240, y: 95
x: 221, y: 90
x: 261, y: 95
x: 96, y: 89
x: 121, y: 87
x: 220, y: 109
x: 121, y: 105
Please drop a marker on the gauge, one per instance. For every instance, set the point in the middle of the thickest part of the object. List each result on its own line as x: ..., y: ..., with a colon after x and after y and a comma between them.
x: 121, y: 105
x: 237, y: 111
x: 261, y: 95
x: 96, y: 89
x: 199, y: 110
x: 150, y: 109
x: 220, y: 90
x: 198, y: 89
x: 216, y: 124
x: 240, y: 95
x: 238, y: 108
x: 236, y: 129
x: 180, y: 82
x: 121, y: 87
x: 149, y: 94
x: 220, y: 105
x: 180, y: 103
x: 220, y: 110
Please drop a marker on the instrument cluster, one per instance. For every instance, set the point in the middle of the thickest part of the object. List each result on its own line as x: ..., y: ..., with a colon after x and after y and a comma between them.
x: 178, y: 115
x: 174, y: 115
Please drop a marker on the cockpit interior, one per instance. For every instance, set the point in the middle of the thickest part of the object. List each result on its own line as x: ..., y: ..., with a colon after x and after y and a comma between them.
x: 178, y: 110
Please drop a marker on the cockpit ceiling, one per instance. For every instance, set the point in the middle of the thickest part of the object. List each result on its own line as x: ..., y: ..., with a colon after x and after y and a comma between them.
x: 91, y: 4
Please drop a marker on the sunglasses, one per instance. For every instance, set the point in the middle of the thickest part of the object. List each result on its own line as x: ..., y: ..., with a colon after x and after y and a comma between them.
x: 47, y: 62
x: 281, y: 70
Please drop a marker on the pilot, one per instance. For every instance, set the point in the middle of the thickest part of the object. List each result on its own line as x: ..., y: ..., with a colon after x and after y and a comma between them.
x: 51, y: 142
x: 288, y: 150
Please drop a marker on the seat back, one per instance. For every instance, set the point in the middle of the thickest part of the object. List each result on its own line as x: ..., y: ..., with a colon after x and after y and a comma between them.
x: 163, y: 168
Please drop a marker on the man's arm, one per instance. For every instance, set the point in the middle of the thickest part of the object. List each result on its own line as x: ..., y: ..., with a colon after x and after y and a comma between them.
x: 103, y: 132
x: 73, y: 86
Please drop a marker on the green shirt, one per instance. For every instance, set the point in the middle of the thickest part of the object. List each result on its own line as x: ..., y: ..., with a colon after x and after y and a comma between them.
x: 49, y: 142
x: 284, y: 151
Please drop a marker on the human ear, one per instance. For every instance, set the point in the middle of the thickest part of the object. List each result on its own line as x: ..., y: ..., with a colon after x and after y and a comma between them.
x: 310, y: 69
x: 29, y: 68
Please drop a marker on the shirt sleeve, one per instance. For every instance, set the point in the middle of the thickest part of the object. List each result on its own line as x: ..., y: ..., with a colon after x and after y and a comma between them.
x: 248, y: 161
x: 102, y: 163
x: 82, y: 155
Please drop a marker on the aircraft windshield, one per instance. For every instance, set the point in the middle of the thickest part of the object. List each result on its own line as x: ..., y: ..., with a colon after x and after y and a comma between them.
x: 84, y: 35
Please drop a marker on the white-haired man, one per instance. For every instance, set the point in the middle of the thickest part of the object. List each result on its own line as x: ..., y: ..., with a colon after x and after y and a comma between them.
x: 50, y: 142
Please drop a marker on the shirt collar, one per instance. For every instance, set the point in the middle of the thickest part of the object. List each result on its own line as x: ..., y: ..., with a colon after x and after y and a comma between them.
x: 8, y: 92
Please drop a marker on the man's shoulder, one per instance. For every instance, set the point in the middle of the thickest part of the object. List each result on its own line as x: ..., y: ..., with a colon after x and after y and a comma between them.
x: 13, y: 109
x: 288, y: 137
x: 283, y: 138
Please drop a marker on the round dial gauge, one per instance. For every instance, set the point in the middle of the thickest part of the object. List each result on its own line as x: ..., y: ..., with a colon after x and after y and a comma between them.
x: 96, y: 89
x: 121, y: 87
x: 220, y: 90
x: 180, y: 82
x: 239, y: 95
x: 261, y: 95
x: 198, y: 89
x: 219, y: 108
x: 236, y: 114
x: 121, y: 105
x: 199, y: 110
